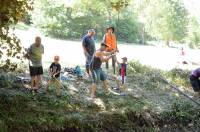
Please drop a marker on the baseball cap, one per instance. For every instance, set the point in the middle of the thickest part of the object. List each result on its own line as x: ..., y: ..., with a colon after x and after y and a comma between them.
x: 111, y: 27
x: 124, y: 58
x: 91, y: 30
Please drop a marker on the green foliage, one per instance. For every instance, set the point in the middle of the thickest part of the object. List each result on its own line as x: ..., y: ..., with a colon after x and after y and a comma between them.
x: 119, y: 4
x: 164, y: 19
x: 6, y: 79
x: 128, y: 29
x: 179, y: 77
x: 51, y: 17
x: 181, y: 113
x: 11, y: 12
x: 193, y: 33
x: 137, y: 67
x: 73, y: 111
x: 58, y: 20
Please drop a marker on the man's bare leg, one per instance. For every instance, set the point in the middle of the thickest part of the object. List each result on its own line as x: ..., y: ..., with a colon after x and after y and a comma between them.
x: 106, y: 87
x: 93, y: 90
x: 33, y: 82
x: 38, y: 81
x: 118, y: 83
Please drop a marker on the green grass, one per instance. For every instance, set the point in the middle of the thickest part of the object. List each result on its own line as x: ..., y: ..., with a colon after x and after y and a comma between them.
x: 22, y: 26
x: 150, y: 105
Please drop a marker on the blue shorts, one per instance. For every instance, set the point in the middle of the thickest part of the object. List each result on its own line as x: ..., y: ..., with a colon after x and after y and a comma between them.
x: 88, y: 61
x: 97, y: 75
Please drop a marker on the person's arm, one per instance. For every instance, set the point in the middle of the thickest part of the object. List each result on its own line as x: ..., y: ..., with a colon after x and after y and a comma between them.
x: 59, y: 69
x: 117, y: 50
x: 51, y: 69
x: 42, y: 49
x: 104, y: 39
x: 108, y: 53
x: 84, y: 43
x: 102, y: 57
x: 118, y: 63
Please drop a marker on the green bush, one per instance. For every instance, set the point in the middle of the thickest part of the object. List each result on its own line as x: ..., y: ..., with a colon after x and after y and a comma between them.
x: 181, y: 112
x: 128, y: 30
x: 137, y: 67
x: 179, y: 77
x: 5, y: 79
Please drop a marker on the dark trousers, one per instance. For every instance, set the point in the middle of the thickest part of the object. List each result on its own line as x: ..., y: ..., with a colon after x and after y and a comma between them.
x: 113, y: 64
x: 195, y: 82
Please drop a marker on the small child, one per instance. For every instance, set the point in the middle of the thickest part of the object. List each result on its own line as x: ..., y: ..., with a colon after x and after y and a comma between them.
x: 54, y: 71
x: 182, y: 57
x: 122, y: 75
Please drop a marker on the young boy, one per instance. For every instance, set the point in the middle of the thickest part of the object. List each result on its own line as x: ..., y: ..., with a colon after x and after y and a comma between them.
x: 122, y: 75
x: 54, y: 71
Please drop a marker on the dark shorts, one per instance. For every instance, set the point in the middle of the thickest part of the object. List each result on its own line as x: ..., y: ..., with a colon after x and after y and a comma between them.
x: 97, y: 75
x: 195, y: 82
x: 34, y: 71
x: 88, y: 61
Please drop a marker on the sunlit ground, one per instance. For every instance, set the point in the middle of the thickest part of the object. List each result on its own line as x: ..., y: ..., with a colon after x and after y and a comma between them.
x: 71, y: 52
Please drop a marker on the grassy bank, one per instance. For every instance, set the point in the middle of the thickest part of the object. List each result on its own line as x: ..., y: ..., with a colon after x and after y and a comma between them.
x: 149, y: 105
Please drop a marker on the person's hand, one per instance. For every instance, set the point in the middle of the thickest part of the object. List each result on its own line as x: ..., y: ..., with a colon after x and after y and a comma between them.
x: 113, y: 51
x: 54, y: 75
x: 113, y: 54
x: 117, y: 50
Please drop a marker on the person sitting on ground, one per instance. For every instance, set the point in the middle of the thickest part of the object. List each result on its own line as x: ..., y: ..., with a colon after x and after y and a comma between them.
x: 195, y: 82
x: 122, y: 75
x: 97, y: 73
x: 54, y: 71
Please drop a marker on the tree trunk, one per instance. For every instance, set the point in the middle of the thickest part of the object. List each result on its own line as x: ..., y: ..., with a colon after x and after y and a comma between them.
x: 167, y: 42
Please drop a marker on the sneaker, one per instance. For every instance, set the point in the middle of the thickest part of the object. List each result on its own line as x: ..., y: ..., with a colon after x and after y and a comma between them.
x: 117, y: 88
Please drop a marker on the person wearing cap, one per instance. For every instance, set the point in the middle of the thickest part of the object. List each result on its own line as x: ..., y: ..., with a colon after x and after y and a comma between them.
x: 97, y: 73
x: 54, y: 71
x: 88, y: 45
x: 122, y: 75
x: 35, y: 52
x: 195, y: 82
x: 110, y: 39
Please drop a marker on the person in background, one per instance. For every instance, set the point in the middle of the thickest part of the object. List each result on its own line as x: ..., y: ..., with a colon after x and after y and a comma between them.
x: 195, y: 82
x: 35, y: 52
x: 110, y: 40
x: 88, y: 45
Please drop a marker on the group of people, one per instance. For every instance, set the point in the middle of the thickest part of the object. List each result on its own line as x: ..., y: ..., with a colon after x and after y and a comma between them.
x: 34, y: 55
x: 94, y: 59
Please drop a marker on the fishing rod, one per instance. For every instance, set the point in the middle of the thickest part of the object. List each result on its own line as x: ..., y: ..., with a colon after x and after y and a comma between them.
x: 181, y: 92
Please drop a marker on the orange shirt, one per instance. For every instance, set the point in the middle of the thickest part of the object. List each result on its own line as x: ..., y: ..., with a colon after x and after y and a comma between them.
x: 110, y: 40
